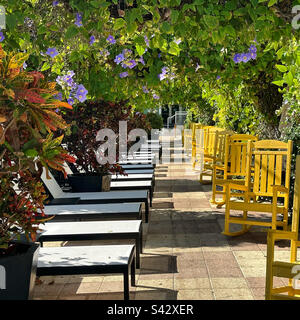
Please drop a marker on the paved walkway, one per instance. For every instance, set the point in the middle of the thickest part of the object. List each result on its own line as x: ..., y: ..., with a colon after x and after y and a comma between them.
x: 185, y: 255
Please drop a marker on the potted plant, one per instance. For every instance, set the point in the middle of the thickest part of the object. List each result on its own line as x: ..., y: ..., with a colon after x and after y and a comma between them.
x: 87, y: 119
x: 27, y: 122
x: 156, y: 123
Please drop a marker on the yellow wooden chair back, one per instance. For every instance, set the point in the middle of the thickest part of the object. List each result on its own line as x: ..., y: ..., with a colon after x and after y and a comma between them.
x: 198, y: 147
x: 215, y: 151
x: 232, y: 163
x: 236, y: 153
x: 271, y: 158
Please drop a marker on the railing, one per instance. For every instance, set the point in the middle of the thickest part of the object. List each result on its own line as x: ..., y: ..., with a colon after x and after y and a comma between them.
x: 179, y: 118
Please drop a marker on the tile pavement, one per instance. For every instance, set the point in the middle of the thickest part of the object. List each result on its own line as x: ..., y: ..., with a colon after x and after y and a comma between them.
x: 185, y: 255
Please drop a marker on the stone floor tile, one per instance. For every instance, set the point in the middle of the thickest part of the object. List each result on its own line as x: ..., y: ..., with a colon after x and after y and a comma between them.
x: 193, y: 283
x: 233, y: 294
x: 197, y: 294
x: 253, y: 271
x: 229, y: 283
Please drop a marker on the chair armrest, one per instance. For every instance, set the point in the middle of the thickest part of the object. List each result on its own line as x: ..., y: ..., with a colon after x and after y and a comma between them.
x: 283, y: 235
x: 278, y: 188
x: 216, y: 166
x: 236, y: 186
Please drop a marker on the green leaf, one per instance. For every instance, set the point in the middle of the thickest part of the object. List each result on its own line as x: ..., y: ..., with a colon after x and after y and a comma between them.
x: 31, y: 153
x: 119, y: 23
x: 11, y: 21
x: 272, y: 2
x: 281, y: 68
x: 71, y: 32
x: 166, y: 27
x: 140, y: 50
x: 229, y: 29
x: 174, y: 16
x: 289, y: 78
x: 132, y: 27
x: 45, y: 66
x: 279, y: 83
x: 174, y: 49
x: 211, y: 21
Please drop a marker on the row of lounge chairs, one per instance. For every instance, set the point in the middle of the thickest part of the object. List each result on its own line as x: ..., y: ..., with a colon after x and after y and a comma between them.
x: 113, y: 215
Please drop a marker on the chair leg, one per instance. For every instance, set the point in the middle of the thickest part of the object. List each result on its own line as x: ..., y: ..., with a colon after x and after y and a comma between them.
x: 227, y: 213
x: 269, y: 274
x: 138, y: 251
x: 133, y: 272
x: 226, y: 232
x: 126, y: 285
x: 146, y: 211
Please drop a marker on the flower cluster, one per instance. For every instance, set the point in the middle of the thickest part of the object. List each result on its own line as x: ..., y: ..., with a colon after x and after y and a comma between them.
x: 74, y: 90
x: 245, y: 57
x: 145, y: 90
x: 154, y: 95
x: 78, y: 21
x: 92, y: 40
x: 166, y: 74
x: 105, y: 53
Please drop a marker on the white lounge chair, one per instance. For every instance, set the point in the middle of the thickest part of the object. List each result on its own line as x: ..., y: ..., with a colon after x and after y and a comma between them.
x: 89, y: 260
x: 94, y: 230
x: 85, y: 212
x: 63, y: 198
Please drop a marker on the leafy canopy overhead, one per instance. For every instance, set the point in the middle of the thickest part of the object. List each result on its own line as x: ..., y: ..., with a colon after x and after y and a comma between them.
x: 173, y: 48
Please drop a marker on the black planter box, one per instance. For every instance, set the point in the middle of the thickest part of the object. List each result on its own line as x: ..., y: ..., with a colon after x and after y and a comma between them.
x: 85, y: 183
x: 18, y: 272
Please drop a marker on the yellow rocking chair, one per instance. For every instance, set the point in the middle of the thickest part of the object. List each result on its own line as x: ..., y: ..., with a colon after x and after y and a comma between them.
x: 214, y: 152
x: 267, y: 160
x: 234, y: 166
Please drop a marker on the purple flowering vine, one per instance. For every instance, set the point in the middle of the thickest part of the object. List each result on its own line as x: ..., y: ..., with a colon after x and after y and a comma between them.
x: 147, y: 41
x: 52, y: 52
x: 119, y: 58
x: 1, y: 36
x: 245, y: 57
x: 70, y: 101
x: 130, y: 64
x: 92, y: 40
x: 58, y: 96
x: 81, y: 93
x: 166, y: 74
x: 111, y: 39
x: 141, y: 60
x: 123, y: 75
x: 145, y: 90
x: 105, y: 53
x: 78, y: 21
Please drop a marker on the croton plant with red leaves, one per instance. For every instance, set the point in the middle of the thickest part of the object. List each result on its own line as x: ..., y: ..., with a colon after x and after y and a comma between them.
x: 28, y: 122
